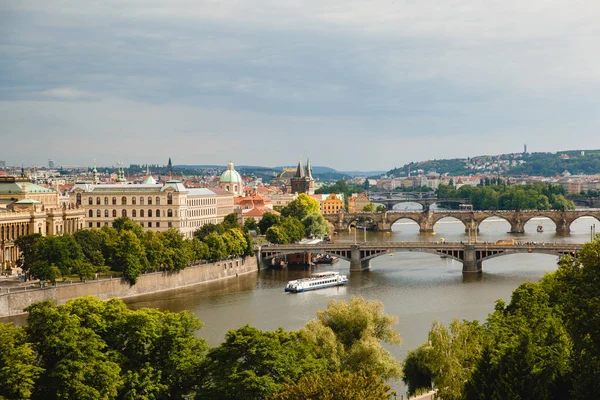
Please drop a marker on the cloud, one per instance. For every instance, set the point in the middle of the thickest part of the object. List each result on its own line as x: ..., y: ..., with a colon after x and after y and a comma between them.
x: 344, y: 75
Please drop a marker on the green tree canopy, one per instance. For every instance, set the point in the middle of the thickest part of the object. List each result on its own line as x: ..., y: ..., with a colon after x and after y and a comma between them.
x: 315, y: 225
x: 301, y: 207
x: 268, y: 220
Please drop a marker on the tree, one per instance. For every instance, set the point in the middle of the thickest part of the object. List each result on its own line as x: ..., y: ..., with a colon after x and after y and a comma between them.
x: 231, y: 221
x: 267, y: 221
x: 417, y: 373
x: 369, y: 208
x: 207, y: 229
x: 73, y: 356
x: 130, y: 257
x: 155, y: 250
x: 27, y: 246
x: 252, y: 364
x: 277, y: 234
x: 18, y: 368
x: 350, y: 337
x: 127, y: 224
x: 300, y: 207
x: 453, y: 356
x: 315, y: 225
x: 337, y: 385
x: 177, y: 250
x: 90, y: 242
x: 217, y: 249
x: 526, y: 351
x: 293, y: 228
x: 83, y: 268
x: 380, y: 208
x: 251, y: 225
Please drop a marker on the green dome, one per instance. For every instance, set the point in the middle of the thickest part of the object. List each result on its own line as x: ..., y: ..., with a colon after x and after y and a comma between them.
x: 230, y: 175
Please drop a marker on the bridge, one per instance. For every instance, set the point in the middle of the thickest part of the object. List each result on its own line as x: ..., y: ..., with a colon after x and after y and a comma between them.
x: 471, y: 255
x: 383, y: 221
x: 426, y: 202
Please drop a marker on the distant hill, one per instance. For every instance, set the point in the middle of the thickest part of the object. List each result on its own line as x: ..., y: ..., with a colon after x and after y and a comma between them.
x: 576, y: 162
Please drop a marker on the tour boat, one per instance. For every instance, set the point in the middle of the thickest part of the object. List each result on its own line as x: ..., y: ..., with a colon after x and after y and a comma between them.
x: 319, y: 280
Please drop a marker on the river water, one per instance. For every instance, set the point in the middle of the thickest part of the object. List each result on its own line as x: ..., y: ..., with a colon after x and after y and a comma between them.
x: 419, y: 288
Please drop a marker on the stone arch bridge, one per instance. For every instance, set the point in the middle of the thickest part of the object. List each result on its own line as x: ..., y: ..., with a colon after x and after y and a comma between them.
x: 471, y: 219
x: 470, y: 255
x: 426, y: 202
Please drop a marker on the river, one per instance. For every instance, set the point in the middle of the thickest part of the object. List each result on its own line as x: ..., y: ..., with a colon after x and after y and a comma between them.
x: 419, y: 288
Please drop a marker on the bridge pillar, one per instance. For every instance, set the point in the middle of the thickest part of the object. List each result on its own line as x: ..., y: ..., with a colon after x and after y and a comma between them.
x: 356, y: 264
x: 426, y: 224
x: 517, y: 226
x: 563, y: 225
x: 470, y: 262
x: 472, y: 226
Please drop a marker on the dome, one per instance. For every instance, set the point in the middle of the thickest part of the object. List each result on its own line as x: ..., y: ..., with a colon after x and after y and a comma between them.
x: 230, y: 175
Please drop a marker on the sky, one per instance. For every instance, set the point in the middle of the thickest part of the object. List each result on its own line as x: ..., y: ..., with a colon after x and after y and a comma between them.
x: 354, y: 85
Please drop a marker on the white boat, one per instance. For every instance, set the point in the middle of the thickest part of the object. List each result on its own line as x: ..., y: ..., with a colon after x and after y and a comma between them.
x: 319, y: 280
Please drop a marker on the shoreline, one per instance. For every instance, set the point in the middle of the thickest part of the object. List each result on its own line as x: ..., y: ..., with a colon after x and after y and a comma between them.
x: 13, y: 303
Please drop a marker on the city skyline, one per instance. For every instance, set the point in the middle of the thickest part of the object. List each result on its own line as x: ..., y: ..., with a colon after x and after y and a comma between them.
x: 353, y: 85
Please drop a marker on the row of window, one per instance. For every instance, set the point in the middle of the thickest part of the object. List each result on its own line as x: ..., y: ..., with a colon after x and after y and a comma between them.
x: 149, y: 224
x: 201, y: 202
x: 124, y: 200
x: 124, y: 213
x: 201, y: 212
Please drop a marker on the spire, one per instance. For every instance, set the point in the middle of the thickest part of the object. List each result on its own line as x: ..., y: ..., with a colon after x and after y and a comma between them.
x: 308, y: 169
x: 170, y: 168
x: 95, y: 173
x: 299, y: 170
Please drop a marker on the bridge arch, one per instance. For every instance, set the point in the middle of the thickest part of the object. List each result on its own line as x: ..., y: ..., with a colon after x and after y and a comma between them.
x: 447, y: 219
x: 405, y: 250
x: 595, y: 216
x: 404, y: 206
x: 410, y: 222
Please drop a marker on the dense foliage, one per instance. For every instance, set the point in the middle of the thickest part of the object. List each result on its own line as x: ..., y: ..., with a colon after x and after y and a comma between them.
x: 300, y: 218
x: 91, y: 349
x: 126, y: 248
x: 545, y: 344
x: 534, y: 164
x: 509, y: 197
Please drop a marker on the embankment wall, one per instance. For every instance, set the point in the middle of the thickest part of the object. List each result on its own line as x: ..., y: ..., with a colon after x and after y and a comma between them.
x: 13, y: 303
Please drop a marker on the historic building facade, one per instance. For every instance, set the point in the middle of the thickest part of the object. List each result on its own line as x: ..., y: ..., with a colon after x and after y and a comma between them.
x: 303, y: 181
x: 27, y: 208
x: 154, y: 206
x: 357, y: 202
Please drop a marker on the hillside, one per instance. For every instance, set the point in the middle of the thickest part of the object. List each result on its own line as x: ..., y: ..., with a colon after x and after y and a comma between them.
x: 576, y: 162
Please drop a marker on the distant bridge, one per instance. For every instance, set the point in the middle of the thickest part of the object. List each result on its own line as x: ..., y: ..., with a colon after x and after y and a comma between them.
x: 470, y: 255
x: 383, y: 221
x: 426, y: 202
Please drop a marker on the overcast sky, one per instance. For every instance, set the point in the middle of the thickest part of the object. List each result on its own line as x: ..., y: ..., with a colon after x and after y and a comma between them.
x: 355, y: 85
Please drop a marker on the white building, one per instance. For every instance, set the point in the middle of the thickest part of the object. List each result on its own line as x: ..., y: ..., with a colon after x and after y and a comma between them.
x: 155, y: 206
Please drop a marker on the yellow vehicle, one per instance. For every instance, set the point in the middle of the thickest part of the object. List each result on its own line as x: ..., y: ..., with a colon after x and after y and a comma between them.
x: 506, y: 242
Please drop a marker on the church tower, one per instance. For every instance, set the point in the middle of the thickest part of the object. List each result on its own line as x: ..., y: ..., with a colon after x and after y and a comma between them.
x: 302, y: 181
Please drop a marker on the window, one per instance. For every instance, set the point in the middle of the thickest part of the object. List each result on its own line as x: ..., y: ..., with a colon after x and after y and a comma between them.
x: 124, y: 213
x: 90, y: 201
x: 98, y: 201
x: 157, y: 200
x: 149, y: 224
x: 123, y: 201
x: 142, y: 213
x: 98, y: 213
x: 149, y: 200
x: 106, y: 201
x: 133, y: 199
x: 78, y: 199
x: 142, y: 224
x: 97, y: 224
x: 91, y: 214
x: 170, y: 224
x: 105, y: 213
x: 114, y: 213
x: 158, y: 224
x: 141, y: 200
x: 157, y: 213
x: 169, y: 198
x: 149, y: 213
x: 114, y: 201
x: 89, y: 225
x: 169, y: 213
x: 133, y: 213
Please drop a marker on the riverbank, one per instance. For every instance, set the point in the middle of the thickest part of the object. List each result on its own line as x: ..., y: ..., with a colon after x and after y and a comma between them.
x: 14, y: 300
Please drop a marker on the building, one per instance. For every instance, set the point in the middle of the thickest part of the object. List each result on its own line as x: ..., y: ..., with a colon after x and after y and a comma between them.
x: 357, y: 202
x: 302, y: 181
x: 333, y: 204
x: 155, y: 206
x: 27, y: 208
x: 253, y: 206
x: 232, y: 181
